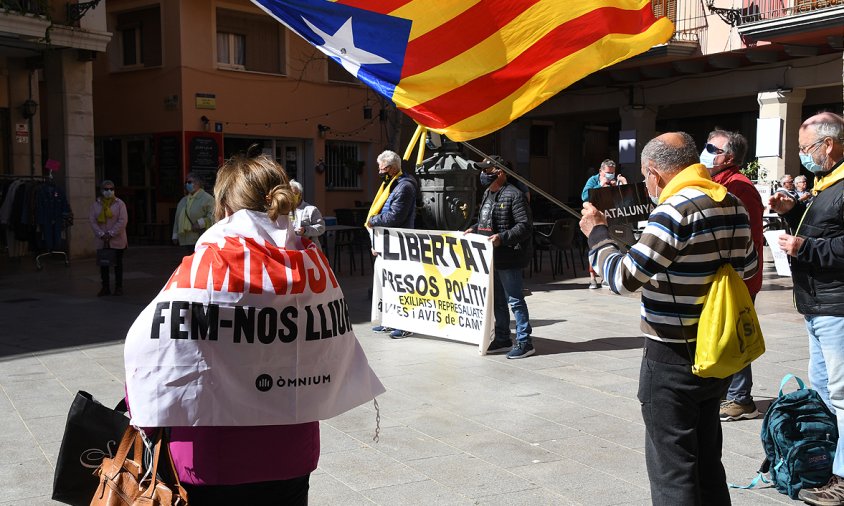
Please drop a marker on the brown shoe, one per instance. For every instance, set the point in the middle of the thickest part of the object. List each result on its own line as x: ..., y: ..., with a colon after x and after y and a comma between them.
x: 831, y: 494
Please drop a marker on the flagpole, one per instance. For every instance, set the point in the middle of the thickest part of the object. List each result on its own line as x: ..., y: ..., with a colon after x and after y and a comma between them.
x: 511, y: 173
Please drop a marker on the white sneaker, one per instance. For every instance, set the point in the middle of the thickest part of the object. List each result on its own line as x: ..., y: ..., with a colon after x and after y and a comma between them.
x: 593, y: 285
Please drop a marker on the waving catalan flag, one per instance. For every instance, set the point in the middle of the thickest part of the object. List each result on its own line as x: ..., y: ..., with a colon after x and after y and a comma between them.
x: 466, y: 68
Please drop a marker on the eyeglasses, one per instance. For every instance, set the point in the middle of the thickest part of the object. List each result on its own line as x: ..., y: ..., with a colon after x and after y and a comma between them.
x: 713, y: 150
x: 811, y: 147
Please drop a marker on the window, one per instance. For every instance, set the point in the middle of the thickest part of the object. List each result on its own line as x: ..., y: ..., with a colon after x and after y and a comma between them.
x: 231, y: 49
x: 250, y: 42
x: 140, y: 37
x: 337, y: 73
x: 342, y: 165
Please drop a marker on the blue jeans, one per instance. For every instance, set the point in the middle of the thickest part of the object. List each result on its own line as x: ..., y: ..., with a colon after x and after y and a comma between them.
x: 826, y: 371
x: 740, y: 386
x: 507, y: 289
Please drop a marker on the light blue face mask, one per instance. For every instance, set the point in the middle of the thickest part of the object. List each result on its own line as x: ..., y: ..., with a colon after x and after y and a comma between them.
x: 609, y: 176
x: 189, y: 187
x: 810, y: 164
x: 707, y: 159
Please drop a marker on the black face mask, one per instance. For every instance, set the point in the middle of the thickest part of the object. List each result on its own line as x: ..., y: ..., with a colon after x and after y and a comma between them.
x: 487, y: 179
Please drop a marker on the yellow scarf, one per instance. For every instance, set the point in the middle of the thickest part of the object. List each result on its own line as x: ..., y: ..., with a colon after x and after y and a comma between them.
x: 381, y: 197
x: 828, y: 180
x: 694, y: 175
x: 185, y: 223
x: 105, y: 212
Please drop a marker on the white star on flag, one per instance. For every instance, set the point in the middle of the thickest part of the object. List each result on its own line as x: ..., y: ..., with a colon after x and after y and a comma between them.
x: 342, y: 46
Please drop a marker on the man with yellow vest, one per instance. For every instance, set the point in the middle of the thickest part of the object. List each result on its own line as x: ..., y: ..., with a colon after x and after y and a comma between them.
x: 194, y: 214
x: 394, y: 206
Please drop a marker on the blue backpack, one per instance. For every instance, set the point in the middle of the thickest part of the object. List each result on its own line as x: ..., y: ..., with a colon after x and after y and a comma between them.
x: 799, y: 435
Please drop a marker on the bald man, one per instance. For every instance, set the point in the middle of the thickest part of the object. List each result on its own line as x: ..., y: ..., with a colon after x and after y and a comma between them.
x: 817, y: 257
x: 680, y: 410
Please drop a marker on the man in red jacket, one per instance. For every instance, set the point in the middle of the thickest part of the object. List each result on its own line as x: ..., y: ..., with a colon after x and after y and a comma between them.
x: 723, y: 155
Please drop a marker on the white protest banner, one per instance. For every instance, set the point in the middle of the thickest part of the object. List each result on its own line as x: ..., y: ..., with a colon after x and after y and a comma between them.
x: 434, y: 282
x: 252, y: 329
x: 780, y: 256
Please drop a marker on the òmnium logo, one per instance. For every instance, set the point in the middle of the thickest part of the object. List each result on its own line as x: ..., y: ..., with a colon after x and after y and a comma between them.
x: 264, y: 382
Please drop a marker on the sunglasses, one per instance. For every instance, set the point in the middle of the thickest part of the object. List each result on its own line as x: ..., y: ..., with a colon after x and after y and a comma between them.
x: 712, y: 150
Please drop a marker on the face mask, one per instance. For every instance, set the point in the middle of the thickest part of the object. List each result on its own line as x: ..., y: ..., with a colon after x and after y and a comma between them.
x: 707, y: 159
x: 189, y: 187
x: 487, y: 179
x: 810, y: 164
x: 108, y: 193
x: 654, y: 199
x: 609, y: 176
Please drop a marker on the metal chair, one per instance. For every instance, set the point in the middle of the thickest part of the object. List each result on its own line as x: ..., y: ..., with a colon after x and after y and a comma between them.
x: 559, y: 243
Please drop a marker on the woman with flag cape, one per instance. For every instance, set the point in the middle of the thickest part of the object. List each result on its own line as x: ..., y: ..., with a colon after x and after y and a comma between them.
x: 246, y: 348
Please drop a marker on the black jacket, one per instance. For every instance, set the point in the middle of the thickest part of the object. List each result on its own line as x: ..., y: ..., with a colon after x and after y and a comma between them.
x: 818, y: 269
x: 512, y: 221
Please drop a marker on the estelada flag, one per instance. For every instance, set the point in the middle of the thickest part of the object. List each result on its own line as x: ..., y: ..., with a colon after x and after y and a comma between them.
x: 466, y: 68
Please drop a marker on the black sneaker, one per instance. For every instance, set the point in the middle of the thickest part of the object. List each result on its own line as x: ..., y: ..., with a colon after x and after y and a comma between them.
x: 499, y: 346
x: 381, y: 328
x: 521, y: 350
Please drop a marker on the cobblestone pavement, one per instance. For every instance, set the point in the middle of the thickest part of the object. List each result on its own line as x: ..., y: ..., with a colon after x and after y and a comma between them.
x: 561, y: 427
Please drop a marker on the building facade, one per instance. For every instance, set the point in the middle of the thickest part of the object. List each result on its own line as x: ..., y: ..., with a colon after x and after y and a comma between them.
x: 46, y: 111
x: 185, y: 85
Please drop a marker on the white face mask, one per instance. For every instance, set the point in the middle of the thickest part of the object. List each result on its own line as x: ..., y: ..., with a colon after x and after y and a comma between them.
x: 108, y: 193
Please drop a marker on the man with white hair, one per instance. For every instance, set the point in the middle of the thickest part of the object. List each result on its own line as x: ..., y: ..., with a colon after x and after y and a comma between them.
x: 308, y: 220
x: 800, y: 186
x: 817, y: 255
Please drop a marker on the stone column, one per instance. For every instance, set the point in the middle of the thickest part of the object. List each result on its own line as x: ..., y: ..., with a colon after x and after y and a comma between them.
x: 786, y: 105
x: 71, y: 139
x: 641, y: 120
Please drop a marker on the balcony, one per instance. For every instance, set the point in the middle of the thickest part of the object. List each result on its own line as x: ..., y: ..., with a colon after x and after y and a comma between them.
x: 688, y: 16
x: 814, y: 23
x: 37, y: 7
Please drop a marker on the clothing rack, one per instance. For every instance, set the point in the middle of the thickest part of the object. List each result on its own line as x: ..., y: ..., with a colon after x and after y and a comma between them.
x: 65, y: 224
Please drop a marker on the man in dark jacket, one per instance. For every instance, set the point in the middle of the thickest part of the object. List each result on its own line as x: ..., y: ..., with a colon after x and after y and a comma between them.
x: 817, y: 270
x: 394, y: 206
x: 505, y: 217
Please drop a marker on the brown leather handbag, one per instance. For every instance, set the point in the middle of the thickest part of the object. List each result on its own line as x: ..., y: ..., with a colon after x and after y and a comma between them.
x: 124, y: 482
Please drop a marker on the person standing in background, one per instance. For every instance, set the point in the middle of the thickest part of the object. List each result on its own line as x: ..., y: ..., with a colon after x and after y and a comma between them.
x: 800, y: 184
x: 723, y: 155
x: 308, y: 220
x: 194, y: 214
x: 108, y: 219
x: 394, y: 206
x: 606, y: 176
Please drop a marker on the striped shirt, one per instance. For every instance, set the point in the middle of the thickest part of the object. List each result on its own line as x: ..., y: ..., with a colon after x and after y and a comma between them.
x: 676, y: 258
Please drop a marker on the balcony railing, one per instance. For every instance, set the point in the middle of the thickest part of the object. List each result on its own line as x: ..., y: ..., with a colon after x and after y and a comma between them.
x: 762, y: 10
x: 38, y: 7
x: 688, y: 16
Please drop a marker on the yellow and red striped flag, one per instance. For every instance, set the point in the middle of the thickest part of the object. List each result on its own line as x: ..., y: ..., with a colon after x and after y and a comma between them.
x: 465, y: 68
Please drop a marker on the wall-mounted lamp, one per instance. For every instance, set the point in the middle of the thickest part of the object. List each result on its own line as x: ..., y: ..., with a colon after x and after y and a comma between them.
x: 322, y: 129
x: 29, y: 108
x: 205, y: 122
